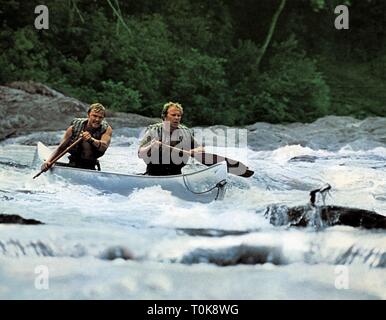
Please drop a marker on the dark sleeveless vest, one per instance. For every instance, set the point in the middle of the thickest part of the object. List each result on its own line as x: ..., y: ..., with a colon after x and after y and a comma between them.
x: 165, y: 169
x: 78, y: 125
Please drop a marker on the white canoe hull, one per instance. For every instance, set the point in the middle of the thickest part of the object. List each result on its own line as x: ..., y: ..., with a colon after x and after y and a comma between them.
x: 190, y: 186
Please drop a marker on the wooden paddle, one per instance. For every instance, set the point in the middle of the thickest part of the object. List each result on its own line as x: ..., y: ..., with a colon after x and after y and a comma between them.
x: 58, y: 157
x: 235, y: 167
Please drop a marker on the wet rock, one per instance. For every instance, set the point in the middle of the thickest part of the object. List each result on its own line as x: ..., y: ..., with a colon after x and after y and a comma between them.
x: 353, y: 217
x: 48, y: 138
x: 304, y: 158
x: 303, y: 216
x: 117, y: 252
x: 329, y: 133
x: 242, y: 254
x: 35, y: 88
x: 27, y: 107
x: 16, y: 219
x: 200, y: 232
x: 131, y: 120
x: 373, y: 257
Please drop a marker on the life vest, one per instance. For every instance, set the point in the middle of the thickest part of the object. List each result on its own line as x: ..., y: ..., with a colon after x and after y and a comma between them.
x: 184, y: 140
x: 78, y: 125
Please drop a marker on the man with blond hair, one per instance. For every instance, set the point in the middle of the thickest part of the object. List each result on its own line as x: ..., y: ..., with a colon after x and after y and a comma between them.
x: 166, y: 146
x: 96, y: 136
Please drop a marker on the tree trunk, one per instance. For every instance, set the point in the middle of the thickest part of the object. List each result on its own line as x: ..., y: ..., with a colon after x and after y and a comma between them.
x: 270, y: 32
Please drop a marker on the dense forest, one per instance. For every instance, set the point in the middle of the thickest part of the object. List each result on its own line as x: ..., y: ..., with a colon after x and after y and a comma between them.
x: 227, y: 62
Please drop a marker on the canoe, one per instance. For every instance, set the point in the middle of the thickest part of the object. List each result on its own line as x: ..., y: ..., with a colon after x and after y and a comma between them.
x: 204, y: 186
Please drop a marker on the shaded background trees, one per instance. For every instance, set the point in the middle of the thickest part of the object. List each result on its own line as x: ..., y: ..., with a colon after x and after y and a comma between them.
x: 134, y: 56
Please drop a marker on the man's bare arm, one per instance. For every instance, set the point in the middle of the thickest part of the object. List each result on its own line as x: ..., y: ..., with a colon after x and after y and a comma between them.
x: 63, y: 144
x: 101, y: 144
x: 143, y: 152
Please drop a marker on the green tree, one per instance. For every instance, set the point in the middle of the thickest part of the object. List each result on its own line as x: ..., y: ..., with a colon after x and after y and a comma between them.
x: 199, y: 82
x: 292, y: 87
x: 120, y: 98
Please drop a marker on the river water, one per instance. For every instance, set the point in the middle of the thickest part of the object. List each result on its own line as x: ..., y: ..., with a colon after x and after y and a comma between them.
x: 185, y: 250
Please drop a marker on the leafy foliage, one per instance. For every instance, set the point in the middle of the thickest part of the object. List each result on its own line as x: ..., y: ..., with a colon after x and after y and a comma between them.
x: 292, y: 88
x: 134, y: 56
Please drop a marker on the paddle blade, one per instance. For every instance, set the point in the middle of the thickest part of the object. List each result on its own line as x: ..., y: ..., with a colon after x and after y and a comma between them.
x: 248, y: 173
x: 234, y: 167
x: 238, y: 169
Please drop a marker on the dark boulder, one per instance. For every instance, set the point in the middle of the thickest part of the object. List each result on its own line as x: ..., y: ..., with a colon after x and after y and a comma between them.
x: 16, y: 219
x: 305, y: 158
x: 324, y: 216
x: 117, y: 252
x: 336, y: 215
x: 235, y: 255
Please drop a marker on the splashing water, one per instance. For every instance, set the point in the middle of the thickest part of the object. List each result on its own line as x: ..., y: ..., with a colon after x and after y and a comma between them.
x: 173, y: 241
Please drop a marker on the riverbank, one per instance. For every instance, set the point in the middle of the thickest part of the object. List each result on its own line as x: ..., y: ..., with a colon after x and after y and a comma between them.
x: 27, y: 107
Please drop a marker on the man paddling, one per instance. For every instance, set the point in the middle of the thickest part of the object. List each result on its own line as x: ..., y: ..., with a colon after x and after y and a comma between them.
x: 96, y: 136
x: 155, y: 146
